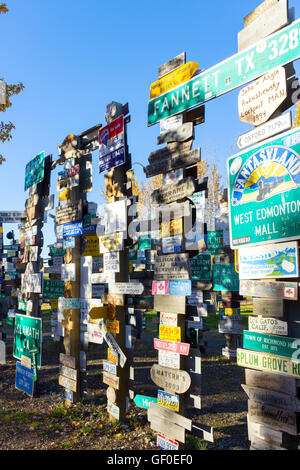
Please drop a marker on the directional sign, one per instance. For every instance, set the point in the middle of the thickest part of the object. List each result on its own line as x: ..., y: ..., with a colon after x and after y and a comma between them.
x: 172, y: 79
x: 278, y: 49
x: 268, y: 362
x: 258, y: 179
x: 27, y: 334
x: 143, y: 401
x: 275, y: 260
x: 265, y: 131
x: 173, y: 192
x: 270, y: 343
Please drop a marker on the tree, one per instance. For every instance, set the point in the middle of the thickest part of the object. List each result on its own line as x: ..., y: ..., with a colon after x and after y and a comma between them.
x: 144, y: 191
x: 11, y: 90
x: 214, y: 192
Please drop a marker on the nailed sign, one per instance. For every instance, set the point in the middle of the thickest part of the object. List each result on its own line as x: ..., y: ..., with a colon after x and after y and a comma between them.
x: 229, y: 74
x: 225, y: 277
x: 172, y: 79
x: 112, y: 145
x: 34, y: 170
x: 172, y: 346
x: 173, y: 380
x: 268, y: 362
x: 259, y: 100
x: 173, y: 192
x: 169, y: 303
x: 258, y: 179
x: 277, y: 260
x: 172, y: 267
x: 267, y: 307
x: 270, y: 343
x: 274, y: 290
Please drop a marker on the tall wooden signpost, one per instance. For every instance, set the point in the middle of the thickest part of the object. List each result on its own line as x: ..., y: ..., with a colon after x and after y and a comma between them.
x: 263, y: 196
x: 178, y: 372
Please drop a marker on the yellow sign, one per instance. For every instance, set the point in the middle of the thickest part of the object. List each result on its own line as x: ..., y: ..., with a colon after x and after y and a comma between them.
x: 231, y: 311
x: 171, y: 228
x: 112, y: 357
x: 92, y: 246
x: 64, y: 194
x: 107, y: 311
x: 170, y: 333
x: 172, y: 79
x: 112, y: 326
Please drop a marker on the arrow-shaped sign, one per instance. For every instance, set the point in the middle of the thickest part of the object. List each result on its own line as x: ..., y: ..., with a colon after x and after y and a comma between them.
x: 142, y: 401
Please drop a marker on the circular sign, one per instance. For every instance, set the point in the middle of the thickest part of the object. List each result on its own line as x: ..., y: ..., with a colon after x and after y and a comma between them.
x: 111, y: 394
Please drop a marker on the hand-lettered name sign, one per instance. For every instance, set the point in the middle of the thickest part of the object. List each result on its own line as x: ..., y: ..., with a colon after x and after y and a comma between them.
x: 177, y: 381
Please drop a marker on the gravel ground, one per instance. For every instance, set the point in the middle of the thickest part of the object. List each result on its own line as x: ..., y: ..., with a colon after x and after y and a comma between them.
x: 44, y: 423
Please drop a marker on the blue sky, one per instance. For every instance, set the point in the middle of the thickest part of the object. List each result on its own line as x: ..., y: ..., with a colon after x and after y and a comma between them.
x: 75, y: 56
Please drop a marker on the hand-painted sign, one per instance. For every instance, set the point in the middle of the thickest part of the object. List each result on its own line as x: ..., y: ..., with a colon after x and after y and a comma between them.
x: 27, y: 335
x: 257, y: 180
x: 72, y: 229
x: 268, y: 362
x: 94, y: 333
x: 34, y: 170
x: 24, y: 379
x: 172, y: 79
x: 225, y: 277
x: 277, y: 260
x: 143, y: 401
x: 271, y: 344
x: 268, y: 325
x: 274, y: 290
x: 259, y: 100
x: 278, y: 49
x: 112, y: 145
x: 267, y: 307
x: 113, y: 242
x: 277, y: 418
x: 172, y: 346
x: 113, y: 410
x: 173, y: 192
x: 172, y: 267
x: 177, y: 381
x: 265, y: 131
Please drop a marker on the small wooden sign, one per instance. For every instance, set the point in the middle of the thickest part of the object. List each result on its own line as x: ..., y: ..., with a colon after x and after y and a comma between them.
x: 180, y: 134
x: 278, y: 383
x: 68, y: 372
x: 277, y: 418
x: 268, y: 325
x: 168, y: 161
x: 267, y: 307
x: 68, y: 361
x: 112, y: 326
x: 111, y: 395
x: 274, y: 290
x: 269, y: 397
x: 175, y: 191
x: 68, y: 213
x: 162, y: 426
x: 172, y: 267
x: 129, y: 288
x: 111, y: 262
x: 113, y: 410
x: 169, y: 303
x: 68, y: 272
x: 107, y: 311
x: 67, y: 383
x: 169, y: 415
x: 177, y: 381
x: 111, y: 380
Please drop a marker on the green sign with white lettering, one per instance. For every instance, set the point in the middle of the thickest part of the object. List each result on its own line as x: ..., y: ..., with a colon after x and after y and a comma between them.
x: 142, y: 401
x: 264, y: 192
x: 225, y: 277
x: 272, y: 344
x: 201, y: 267
x: 278, y: 49
x: 34, y: 170
x: 53, y: 288
x: 27, y: 337
x: 214, y: 241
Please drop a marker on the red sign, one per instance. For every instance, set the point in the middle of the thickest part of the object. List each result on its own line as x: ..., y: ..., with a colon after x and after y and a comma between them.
x: 172, y: 346
x: 111, y: 145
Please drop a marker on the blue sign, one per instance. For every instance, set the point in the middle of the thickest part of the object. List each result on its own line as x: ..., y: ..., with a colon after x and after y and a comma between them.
x: 24, y: 379
x: 72, y: 230
x: 69, y: 243
x: 180, y: 287
x: 90, y: 228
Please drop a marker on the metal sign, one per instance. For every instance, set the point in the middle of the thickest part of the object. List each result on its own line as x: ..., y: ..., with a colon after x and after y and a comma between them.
x: 172, y: 244
x: 268, y: 362
x: 112, y: 145
x: 24, y: 379
x: 172, y: 267
x: 265, y: 131
x: 172, y: 287
x: 201, y: 267
x: 34, y: 170
x: 270, y: 343
x: 225, y: 277
x: 267, y: 307
x: 165, y: 443
x: 274, y: 290
x: 276, y: 260
x: 169, y: 400
x: 278, y: 49
x: 72, y: 229
x: 257, y: 179
x: 143, y: 401
x: 172, y: 346
x: 27, y: 334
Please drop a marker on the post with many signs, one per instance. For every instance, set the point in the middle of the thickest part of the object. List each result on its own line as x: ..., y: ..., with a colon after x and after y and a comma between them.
x: 115, y: 160
x: 264, y: 218
x: 178, y: 372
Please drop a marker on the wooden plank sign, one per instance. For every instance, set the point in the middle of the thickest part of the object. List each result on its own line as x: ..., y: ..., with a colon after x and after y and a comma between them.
x: 180, y: 134
x: 169, y: 303
x: 67, y: 383
x: 269, y: 397
x: 177, y: 381
x: 268, y: 325
x: 278, y: 383
x: 171, y: 267
x: 267, y: 307
x: 166, y: 161
x: 111, y: 380
x: 174, y: 191
x: 274, y: 290
x: 259, y: 100
x: 113, y: 410
x: 277, y: 418
x: 162, y: 426
x: 169, y: 415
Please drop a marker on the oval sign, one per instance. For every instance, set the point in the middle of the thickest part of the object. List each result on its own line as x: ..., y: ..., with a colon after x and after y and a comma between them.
x: 111, y: 395
x: 177, y: 381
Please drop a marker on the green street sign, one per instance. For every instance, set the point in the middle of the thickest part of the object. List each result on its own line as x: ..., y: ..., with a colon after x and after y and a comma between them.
x: 201, y: 267
x: 27, y: 336
x: 34, y: 170
x: 57, y: 251
x: 142, y: 401
x: 144, y: 242
x: 225, y: 277
x: 22, y: 305
x: 278, y: 49
x: 214, y: 241
x: 264, y: 192
x: 53, y: 288
x: 271, y: 344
